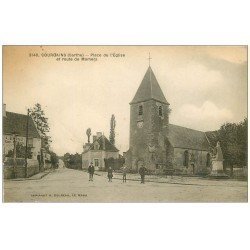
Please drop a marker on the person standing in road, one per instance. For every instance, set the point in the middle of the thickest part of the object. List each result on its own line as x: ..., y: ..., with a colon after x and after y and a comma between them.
x: 110, y: 174
x: 91, y: 171
x: 142, y: 172
x: 124, y: 173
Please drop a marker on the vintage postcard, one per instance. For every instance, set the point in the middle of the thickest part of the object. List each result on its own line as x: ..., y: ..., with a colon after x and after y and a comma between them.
x: 125, y: 124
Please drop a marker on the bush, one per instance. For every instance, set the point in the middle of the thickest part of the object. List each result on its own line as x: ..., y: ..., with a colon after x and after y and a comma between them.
x: 115, y: 164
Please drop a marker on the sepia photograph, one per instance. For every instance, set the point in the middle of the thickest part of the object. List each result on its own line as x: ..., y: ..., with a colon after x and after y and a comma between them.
x: 125, y: 124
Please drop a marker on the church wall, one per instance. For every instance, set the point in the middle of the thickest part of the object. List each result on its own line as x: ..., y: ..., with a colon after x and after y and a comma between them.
x: 199, y: 160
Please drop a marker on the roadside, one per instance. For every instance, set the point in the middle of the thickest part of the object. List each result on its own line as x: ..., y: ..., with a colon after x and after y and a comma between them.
x: 179, y: 180
x: 37, y: 176
x: 67, y: 185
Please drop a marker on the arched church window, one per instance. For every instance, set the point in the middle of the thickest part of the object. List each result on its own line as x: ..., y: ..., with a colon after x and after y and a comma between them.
x: 140, y: 110
x: 208, y: 160
x: 160, y: 110
x: 186, y: 158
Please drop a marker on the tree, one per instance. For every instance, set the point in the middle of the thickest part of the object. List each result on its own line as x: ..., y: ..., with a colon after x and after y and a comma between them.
x: 41, y: 122
x: 73, y: 161
x: 233, y: 141
x: 243, y: 141
x: 112, y: 129
x: 88, y: 133
x: 54, y: 159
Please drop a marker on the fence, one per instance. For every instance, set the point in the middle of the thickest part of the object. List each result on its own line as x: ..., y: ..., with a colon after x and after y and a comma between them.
x: 237, y: 172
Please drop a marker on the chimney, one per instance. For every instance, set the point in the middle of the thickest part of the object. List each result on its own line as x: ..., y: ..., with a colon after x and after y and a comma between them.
x: 4, y: 110
x: 98, y: 134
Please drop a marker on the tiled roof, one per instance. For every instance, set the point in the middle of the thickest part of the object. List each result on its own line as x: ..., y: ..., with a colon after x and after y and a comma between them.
x: 17, y: 123
x: 181, y: 137
x: 149, y: 89
x: 105, y: 144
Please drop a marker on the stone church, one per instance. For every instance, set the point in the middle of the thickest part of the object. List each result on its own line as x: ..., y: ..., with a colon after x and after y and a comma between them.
x: 157, y: 144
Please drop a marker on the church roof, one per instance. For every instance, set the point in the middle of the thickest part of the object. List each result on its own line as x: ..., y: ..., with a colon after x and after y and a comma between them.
x: 104, y: 144
x: 181, y: 137
x: 149, y: 89
x: 17, y: 123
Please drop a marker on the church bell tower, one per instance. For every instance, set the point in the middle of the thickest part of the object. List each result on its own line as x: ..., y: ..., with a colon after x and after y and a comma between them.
x: 149, y: 119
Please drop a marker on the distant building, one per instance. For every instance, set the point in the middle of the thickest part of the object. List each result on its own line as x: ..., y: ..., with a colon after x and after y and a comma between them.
x: 157, y: 144
x: 15, y: 124
x: 97, y: 151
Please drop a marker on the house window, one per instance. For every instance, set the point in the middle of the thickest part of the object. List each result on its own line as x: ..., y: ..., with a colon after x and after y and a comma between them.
x: 30, y: 142
x: 140, y: 110
x: 96, y: 162
x: 160, y: 110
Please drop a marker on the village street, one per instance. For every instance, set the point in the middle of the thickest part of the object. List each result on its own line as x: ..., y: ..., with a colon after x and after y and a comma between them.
x: 67, y: 185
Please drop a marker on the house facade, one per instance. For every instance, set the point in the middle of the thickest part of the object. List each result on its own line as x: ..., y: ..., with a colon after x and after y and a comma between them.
x: 14, y: 127
x: 14, y: 136
x: 157, y: 144
x: 97, y: 151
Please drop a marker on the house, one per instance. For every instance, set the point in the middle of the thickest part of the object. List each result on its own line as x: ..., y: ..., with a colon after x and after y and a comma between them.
x: 15, y: 125
x: 14, y: 133
x: 157, y: 144
x: 98, y: 151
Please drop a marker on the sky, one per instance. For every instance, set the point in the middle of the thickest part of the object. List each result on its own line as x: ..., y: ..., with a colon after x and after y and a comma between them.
x: 206, y: 86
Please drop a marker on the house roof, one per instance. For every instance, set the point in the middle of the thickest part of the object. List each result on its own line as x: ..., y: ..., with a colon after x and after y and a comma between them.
x: 149, y: 89
x: 17, y: 123
x: 104, y: 143
x: 181, y: 137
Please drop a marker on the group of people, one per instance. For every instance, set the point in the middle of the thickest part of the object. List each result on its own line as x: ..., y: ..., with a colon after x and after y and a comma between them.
x: 142, y: 172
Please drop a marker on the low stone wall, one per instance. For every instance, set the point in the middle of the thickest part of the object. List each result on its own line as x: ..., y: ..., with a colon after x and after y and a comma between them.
x: 32, y: 170
x: 8, y: 171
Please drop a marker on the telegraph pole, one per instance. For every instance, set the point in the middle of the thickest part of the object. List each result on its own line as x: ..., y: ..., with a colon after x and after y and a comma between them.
x: 14, y: 155
x: 26, y: 146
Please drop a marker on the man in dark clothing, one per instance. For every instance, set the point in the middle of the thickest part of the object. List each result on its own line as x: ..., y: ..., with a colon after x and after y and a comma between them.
x: 91, y: 171
x: 124, y: 173
x: 142, y: 172
x: 110, y: 174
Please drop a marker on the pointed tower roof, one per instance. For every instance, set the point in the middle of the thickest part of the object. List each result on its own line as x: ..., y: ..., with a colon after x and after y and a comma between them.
x: 149, y: 89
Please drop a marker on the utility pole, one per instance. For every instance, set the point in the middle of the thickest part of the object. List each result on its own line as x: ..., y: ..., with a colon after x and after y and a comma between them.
x: 26, y: 146
x: 14, y: 155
